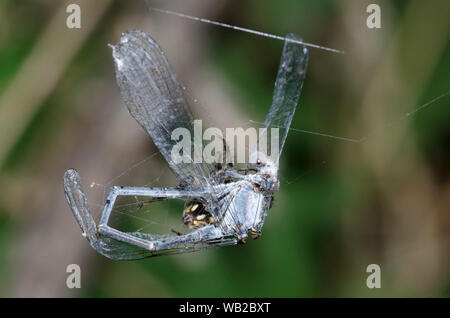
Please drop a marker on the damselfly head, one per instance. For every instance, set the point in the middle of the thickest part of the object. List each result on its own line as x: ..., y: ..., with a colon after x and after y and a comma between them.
x: 263, y: 164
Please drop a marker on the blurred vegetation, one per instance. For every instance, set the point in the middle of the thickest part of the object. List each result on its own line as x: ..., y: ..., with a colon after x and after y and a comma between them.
x: 341, y: 205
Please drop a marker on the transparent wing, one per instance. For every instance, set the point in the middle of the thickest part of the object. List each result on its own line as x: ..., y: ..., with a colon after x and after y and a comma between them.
x: 155, y: 98
x: 288, y: 86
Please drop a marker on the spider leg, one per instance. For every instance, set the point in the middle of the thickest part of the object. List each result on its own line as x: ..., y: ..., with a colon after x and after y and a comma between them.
x: 226, y: 150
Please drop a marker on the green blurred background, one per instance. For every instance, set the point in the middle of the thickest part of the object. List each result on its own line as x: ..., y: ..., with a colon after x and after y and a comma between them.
x: 341, y: 206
